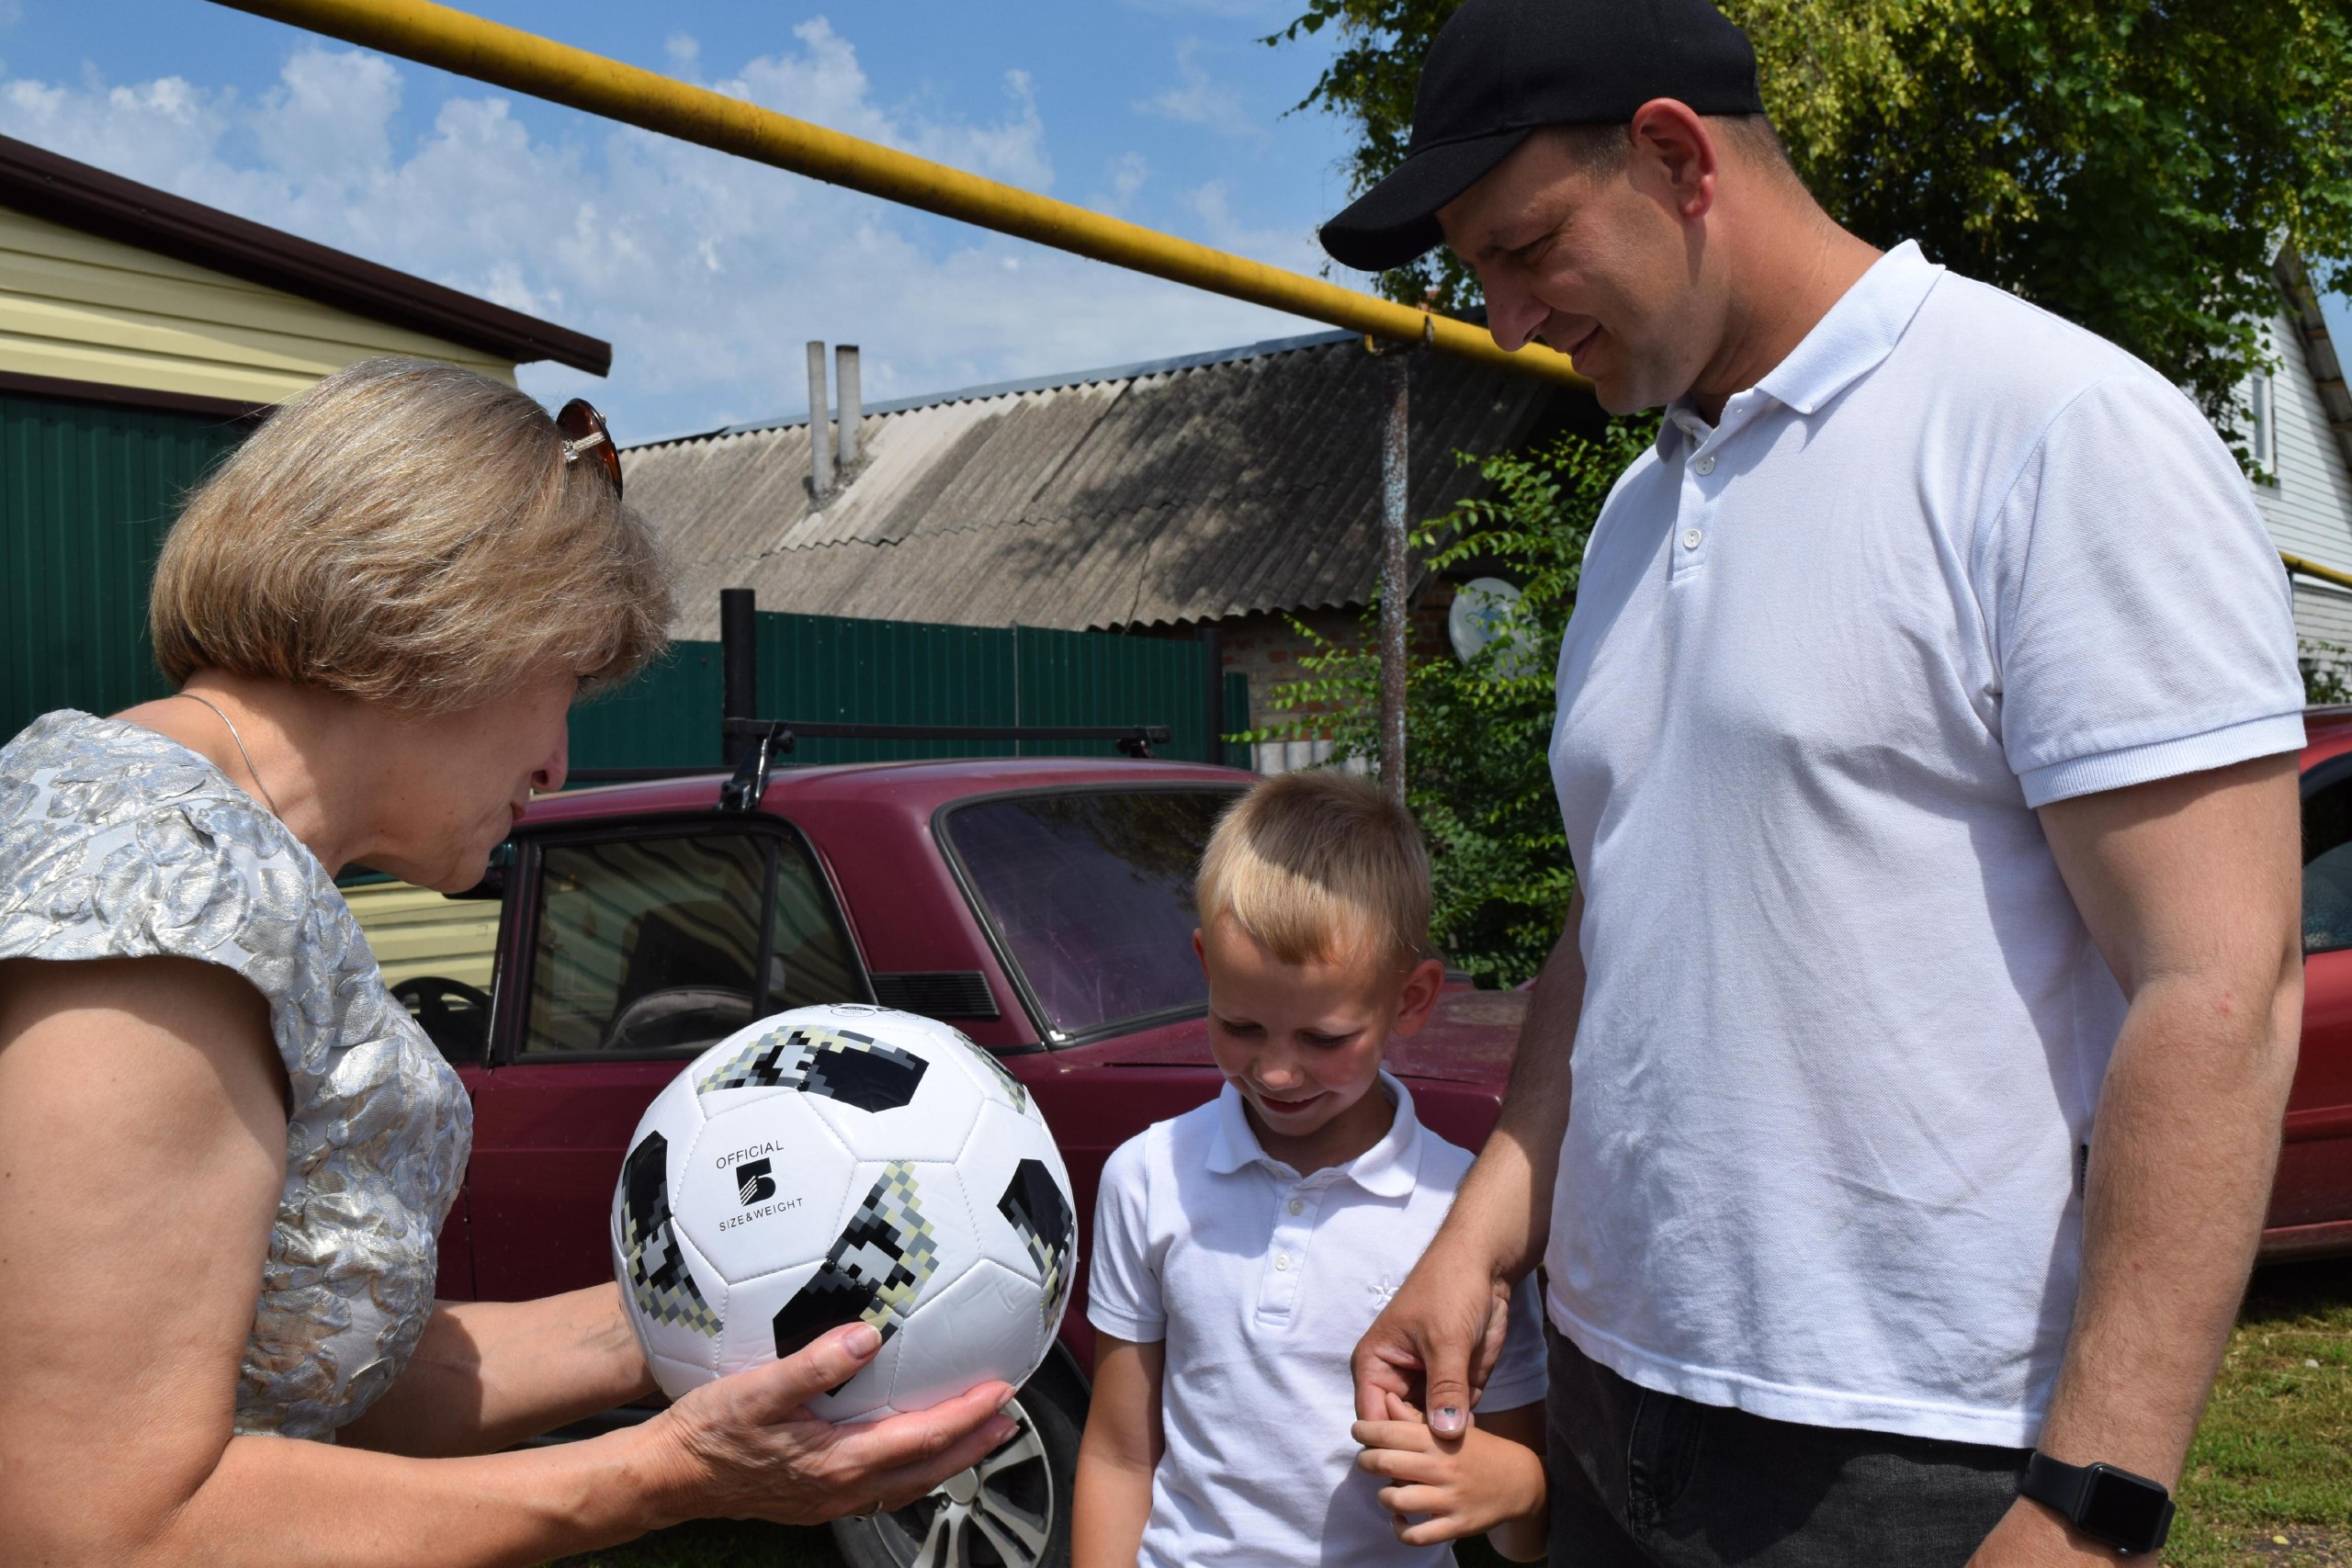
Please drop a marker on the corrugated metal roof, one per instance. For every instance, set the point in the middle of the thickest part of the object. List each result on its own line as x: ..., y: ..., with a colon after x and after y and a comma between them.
x: 1195, y: 489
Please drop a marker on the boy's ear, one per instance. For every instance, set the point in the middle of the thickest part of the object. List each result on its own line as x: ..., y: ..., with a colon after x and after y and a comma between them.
x: 1419, y: 994
x: 1199, y: 948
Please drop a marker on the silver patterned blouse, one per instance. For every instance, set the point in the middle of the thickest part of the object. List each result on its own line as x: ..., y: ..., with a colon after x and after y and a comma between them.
x: 116, y: 843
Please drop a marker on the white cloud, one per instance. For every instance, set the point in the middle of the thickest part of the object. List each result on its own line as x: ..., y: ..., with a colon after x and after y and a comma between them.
x: 1128, y: 172
x: 1212, y: 205
x: 706, y: 273
x: 1199, y: 98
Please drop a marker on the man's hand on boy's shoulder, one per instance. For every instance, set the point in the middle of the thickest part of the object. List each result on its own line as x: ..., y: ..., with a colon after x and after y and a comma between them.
x: 1444, y: 1489
x: 1433, y: 1347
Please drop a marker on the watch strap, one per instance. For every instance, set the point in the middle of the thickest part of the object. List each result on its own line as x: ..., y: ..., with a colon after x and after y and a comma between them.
x: 2055, y: 1483
x: 2068, y: 1490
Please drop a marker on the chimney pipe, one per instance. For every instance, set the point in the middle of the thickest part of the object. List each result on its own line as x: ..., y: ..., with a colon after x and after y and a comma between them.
x: 845, y: 378
x: 821, y: 440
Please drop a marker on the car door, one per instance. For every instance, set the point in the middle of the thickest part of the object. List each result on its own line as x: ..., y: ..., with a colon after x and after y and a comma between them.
x: 632, y: 948
x: 2315, y: 1185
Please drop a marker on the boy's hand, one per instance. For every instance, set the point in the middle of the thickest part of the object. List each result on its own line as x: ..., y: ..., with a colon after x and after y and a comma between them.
x: 1438, y: 1339
x: 1459, y: 1486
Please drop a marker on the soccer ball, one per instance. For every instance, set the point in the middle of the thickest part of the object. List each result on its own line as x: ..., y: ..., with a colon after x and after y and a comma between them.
x: 837, y: 1163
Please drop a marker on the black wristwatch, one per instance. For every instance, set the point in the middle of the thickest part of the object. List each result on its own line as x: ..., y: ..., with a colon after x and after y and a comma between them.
x: 2113, y: 1507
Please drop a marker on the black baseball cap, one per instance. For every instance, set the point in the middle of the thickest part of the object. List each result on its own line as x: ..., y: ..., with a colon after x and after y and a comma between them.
x: 1502, y: 69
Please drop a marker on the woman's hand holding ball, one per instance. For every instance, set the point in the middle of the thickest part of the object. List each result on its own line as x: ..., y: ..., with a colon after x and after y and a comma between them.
x: 745, y: 1447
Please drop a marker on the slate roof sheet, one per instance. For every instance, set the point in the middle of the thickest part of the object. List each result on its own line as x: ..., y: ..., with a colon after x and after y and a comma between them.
x: 1198, y: 489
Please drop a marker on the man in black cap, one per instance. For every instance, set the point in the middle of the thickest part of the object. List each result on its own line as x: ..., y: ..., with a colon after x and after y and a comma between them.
x: 1926, y: 746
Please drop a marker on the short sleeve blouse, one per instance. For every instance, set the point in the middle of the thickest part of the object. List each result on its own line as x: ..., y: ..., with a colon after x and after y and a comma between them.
x: 116, y: 843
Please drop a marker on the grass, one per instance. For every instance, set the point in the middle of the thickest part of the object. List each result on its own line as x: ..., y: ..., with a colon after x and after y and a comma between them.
x: 2269, y: 1483
x: 2269, y: 1478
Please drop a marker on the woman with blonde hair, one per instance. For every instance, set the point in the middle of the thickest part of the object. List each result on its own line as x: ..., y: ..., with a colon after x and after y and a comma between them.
x: 225, y: 1152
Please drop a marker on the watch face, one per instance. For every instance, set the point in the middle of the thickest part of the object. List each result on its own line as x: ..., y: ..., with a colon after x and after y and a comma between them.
x: 2123, y: 1509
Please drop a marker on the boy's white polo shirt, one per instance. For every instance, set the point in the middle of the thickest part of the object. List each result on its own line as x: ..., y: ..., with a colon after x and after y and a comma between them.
x: 1260, y: 1281
x: 1844, y: 1031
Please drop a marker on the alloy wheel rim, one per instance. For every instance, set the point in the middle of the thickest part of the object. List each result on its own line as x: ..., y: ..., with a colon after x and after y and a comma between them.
x: 999, y: 1514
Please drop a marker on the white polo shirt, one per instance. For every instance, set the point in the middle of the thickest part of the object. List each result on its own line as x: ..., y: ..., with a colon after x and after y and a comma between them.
x: 1260, y: 1281
x: 1844, y: 1031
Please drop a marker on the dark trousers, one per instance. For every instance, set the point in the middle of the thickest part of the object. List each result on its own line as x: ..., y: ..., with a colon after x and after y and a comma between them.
x: 1647, y: 1480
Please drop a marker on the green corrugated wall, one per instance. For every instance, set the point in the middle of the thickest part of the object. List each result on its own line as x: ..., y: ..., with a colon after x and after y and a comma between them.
x: 85, y: 495
x: 87, y: 491
x: 830, y: 667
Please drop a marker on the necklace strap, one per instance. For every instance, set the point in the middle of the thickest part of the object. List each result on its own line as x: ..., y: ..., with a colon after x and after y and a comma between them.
x: 240, y: 741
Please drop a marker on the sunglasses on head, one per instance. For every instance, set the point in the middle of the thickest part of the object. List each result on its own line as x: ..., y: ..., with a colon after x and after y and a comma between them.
x: 586, y: 434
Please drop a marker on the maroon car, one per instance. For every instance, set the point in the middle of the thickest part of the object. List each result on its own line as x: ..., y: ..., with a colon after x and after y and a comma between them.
x: 1042, y: 907
x: 2310, y: 1204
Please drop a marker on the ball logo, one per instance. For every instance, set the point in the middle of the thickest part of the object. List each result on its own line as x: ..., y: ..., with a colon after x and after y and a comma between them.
x: 753, y: 1182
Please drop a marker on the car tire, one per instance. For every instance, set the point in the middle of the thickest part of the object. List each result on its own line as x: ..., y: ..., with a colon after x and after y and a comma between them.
x: 1012, y: 1511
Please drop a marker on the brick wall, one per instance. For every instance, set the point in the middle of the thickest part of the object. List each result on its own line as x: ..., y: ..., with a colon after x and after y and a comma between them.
x: 1267, y: 647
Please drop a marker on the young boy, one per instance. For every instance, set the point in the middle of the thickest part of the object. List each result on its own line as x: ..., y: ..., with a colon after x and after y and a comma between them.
x: 1241, y: 1249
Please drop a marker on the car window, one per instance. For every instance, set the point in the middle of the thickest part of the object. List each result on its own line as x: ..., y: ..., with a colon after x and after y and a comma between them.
x: 438, y: 954
x: 2327, y: 867
x: 656, y: 944
x: 1090, y: 894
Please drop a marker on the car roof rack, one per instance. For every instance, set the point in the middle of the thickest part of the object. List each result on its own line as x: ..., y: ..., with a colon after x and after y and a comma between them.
x: 768, y: 737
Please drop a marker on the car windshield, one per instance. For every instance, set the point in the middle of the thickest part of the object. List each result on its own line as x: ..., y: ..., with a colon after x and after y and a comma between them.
x: 1092, y: 895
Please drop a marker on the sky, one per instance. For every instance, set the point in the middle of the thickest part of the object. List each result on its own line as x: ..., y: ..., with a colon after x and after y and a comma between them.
x: 706, y: 273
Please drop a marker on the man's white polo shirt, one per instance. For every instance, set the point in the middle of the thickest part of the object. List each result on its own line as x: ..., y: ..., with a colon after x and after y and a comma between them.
x: 1844, y: 1031
x: 1260, y: 1281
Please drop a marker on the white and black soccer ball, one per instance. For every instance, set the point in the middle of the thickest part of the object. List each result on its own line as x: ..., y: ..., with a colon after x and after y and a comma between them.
x: 837, y: 1163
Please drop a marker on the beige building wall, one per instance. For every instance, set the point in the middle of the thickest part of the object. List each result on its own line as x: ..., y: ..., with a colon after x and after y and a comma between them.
x: 80, y: 308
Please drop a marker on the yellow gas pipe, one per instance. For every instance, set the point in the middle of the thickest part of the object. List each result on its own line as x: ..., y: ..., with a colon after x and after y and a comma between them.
x: 2296, y: 564
x: 469, y: 46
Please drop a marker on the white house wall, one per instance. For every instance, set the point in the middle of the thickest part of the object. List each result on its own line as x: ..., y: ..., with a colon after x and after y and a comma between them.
x: 2309, y: 507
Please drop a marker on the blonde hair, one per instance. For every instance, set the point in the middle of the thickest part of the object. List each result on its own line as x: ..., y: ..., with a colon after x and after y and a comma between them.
x: 408, y: 532
x: 1316, y: 864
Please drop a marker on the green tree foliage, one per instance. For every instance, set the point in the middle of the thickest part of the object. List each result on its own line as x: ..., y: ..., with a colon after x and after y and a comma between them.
x: 2327, y: 672
x: 1477, y: 776
x: 2133, y: 165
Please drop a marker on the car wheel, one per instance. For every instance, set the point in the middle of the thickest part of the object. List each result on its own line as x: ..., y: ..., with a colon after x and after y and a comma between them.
x: 1010, y: 1510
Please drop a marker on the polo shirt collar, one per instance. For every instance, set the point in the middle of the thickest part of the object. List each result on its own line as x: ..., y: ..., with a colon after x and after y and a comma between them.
x: 1387, y: 1169
x: 1849, y: 343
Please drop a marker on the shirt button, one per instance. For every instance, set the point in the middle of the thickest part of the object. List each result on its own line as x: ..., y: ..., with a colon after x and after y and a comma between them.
x: 1282, y: 1261
x: 1705, y: 465
x: 1297, y: 1207
x: 1690, y: 538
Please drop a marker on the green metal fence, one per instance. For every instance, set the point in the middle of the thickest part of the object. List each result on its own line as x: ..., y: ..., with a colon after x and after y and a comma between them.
x: 834, y: 668
x: 86, y: 493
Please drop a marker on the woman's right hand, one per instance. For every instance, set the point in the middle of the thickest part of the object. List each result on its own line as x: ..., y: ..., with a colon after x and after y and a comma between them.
x: 747, y: 1447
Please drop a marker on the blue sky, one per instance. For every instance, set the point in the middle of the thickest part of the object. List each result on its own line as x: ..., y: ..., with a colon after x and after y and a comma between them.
x: 706, y: 273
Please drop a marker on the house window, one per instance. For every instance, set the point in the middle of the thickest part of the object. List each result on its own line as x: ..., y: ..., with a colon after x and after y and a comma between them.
x: 2262, y: 424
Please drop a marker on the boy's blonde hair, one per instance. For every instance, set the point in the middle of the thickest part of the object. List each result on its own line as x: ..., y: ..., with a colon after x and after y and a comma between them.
x: 1318, y: 865
x: 409, y: 532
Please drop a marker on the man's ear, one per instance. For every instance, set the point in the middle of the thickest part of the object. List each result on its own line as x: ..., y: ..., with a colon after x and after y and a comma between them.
x: 1419, y: 994
x: 1676, y: 146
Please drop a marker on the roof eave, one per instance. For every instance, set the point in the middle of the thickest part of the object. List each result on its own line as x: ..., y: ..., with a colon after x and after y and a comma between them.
x: 41, y: 183
x: 2319, y: 347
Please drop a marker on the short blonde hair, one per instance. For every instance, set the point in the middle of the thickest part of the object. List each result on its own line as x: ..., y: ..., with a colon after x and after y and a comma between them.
x: 408, y: 532
x: 1316, y: 865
